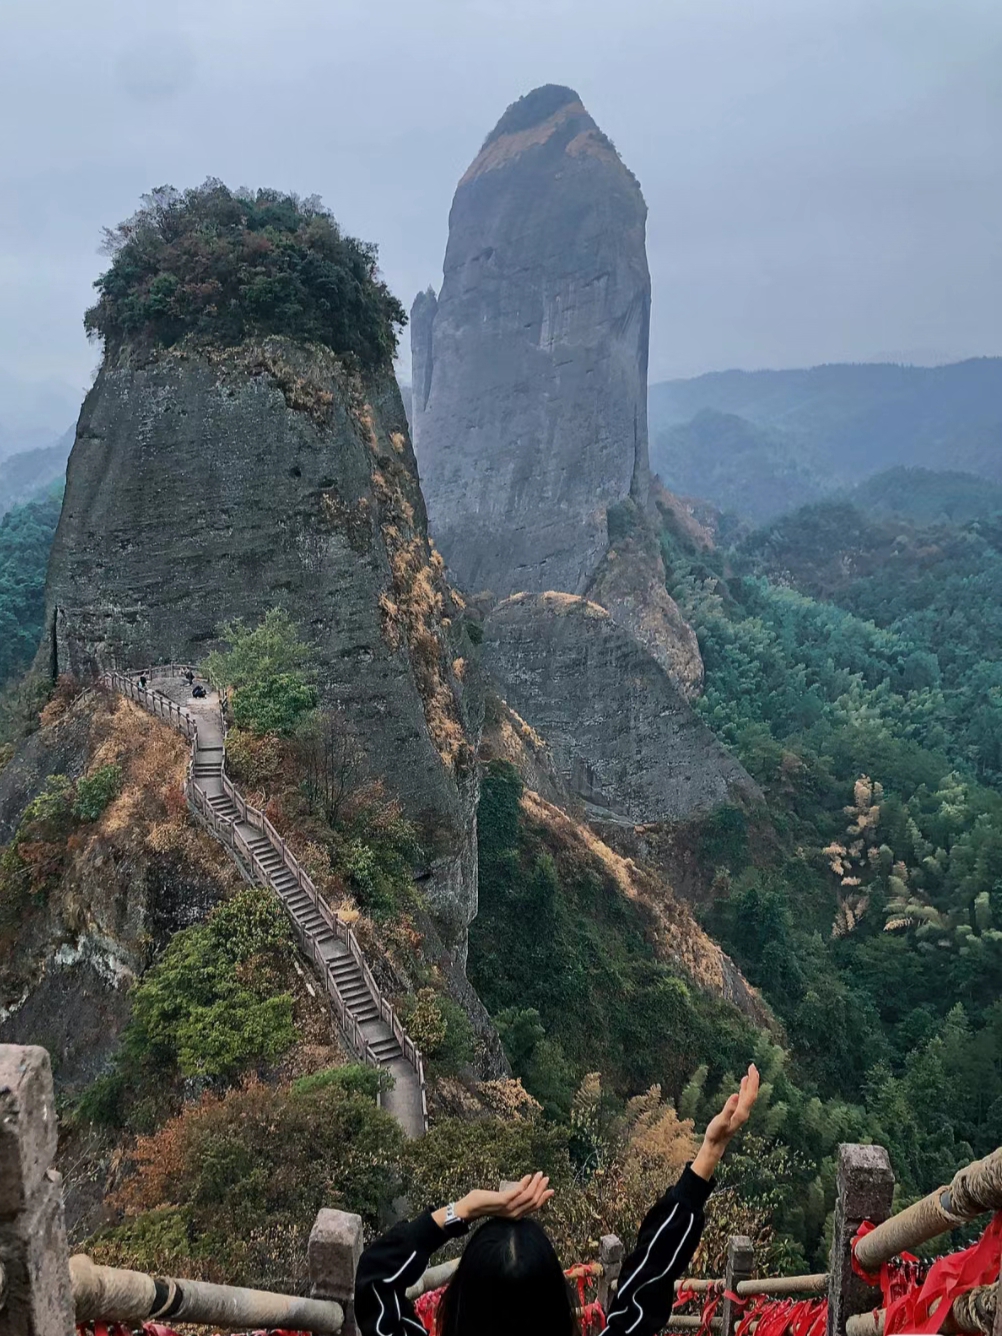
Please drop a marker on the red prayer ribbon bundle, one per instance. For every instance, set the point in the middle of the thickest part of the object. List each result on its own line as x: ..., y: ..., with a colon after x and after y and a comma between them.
x: 915, y: 1305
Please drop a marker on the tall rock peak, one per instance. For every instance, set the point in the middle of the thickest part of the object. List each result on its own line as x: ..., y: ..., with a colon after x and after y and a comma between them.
x: 208, y: 484
x: 530, y: 367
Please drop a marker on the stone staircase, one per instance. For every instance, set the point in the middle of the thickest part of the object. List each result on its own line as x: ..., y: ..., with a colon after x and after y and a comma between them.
x: 367, y: 1021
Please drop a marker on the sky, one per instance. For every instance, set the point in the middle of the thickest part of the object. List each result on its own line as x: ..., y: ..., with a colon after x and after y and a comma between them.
x: 823, y: 177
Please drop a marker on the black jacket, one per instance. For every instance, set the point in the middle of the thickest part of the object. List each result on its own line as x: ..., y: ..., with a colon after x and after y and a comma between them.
x: 667, y: 1240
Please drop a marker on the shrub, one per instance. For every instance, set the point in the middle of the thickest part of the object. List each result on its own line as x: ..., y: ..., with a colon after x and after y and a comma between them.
x: 440, y: 1028
x: 378, y: 863
x: 224, y: 266
x: 268, y: 667
x: 96, y: 790
x: 352, y: 1079
x: 270, y: 649
x: 273, y: 705
x: 212, y: 1007
x: 234, y: 1183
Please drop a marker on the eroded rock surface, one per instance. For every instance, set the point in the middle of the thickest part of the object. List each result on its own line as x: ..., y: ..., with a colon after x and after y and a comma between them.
x: 630, y: 584
x: 621, y: 734
x: 530, y: 367
x: 205, y: 486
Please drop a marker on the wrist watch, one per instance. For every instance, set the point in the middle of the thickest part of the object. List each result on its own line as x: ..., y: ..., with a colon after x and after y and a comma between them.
x: 452, y: 1216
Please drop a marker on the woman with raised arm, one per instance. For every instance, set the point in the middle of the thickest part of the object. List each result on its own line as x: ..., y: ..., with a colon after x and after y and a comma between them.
x: 509, y: 1279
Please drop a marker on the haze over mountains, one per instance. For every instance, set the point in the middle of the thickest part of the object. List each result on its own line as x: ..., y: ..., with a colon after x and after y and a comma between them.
x: 759, y: 443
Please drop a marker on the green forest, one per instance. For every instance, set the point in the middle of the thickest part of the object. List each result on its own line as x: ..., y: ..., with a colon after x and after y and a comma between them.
x: 26, y: 534
x: 854, y: 663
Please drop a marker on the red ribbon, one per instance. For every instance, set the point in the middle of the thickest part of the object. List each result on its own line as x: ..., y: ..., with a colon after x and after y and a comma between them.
x: 923, y: 1309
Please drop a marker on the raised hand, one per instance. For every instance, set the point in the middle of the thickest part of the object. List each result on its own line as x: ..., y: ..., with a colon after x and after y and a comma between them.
x: 732, y: 1116
x: 529, y: 1195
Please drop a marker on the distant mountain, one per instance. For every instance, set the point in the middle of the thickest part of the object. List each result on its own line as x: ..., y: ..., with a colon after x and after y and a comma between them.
x: 756, y: 472
x: 829, y: 425
x: 928, y: 496
x: 23, y: 476
x: 33, y: 414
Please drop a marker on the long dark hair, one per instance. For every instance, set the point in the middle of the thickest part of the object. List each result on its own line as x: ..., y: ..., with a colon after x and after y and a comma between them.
x: 508, y: 1279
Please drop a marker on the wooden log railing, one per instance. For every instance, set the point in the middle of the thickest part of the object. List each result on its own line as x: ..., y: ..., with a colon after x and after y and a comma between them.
x: 225, y: 830
x: 974, y: 1190
x: 43, y: 1292
x: 108, y: 1294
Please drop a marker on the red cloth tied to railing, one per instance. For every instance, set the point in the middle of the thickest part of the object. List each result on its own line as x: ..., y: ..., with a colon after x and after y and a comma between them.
x: 777, y: 1317
x: 711, y: 1302
x: 912, y: 1304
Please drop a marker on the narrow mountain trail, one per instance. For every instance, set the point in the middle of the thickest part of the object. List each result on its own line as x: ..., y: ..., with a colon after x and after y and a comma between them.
x: 365, y: 1018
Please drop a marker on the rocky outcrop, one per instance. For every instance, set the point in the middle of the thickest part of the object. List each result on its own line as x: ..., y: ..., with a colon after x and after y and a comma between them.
x: 530, y: 367
x: 622, y: 736
x: 207, y: 485
x: 84, y: 905
x: 630, y: 585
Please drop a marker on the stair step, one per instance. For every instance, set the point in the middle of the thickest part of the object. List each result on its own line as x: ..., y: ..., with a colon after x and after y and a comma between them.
x: 345, y: 968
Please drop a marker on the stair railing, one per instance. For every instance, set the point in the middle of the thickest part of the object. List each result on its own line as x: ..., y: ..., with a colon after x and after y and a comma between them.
x: 185, y: 722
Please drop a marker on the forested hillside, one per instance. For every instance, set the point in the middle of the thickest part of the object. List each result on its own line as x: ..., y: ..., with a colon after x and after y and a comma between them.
x: 855, y: 665
x: 25, y: 539
x: 24, y: 475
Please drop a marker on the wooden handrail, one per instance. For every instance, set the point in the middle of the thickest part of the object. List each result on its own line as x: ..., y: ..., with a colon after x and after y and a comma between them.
x: 178, y: 717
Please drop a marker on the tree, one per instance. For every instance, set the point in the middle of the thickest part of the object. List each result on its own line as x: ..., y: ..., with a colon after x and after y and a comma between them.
x: 331, y: 761
x: 222, y: 266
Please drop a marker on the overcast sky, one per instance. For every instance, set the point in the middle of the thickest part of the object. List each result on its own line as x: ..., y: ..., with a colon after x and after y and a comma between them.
x: 824, y: 177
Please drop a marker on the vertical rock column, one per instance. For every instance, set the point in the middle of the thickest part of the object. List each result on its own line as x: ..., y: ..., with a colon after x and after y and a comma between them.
x: 530, y: 368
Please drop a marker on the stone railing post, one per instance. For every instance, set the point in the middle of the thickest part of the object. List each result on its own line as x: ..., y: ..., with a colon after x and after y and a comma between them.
x: 865, y: 1187
x: 335, y: 1250
x: 610, y: 1256
x: 740, y: 1266
x: 33, y: 1253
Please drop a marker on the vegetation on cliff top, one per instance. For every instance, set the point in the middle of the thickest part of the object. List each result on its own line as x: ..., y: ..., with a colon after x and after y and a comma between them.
x: 224, y: 266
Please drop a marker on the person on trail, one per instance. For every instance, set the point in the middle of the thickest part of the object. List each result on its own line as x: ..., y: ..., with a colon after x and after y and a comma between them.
x: 199, y: 692
x: 142, y: 681
x: 509, y: 1278
x: 189, y: 676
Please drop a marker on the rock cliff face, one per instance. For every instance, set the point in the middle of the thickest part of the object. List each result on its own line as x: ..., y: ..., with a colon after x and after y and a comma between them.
x: 630, y: 584
x: 621, y: 735
x: 530, y: 367
x: 205, y: 486
x: 101, y: 902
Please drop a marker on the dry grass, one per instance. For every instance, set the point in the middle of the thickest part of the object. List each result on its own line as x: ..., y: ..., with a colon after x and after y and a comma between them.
x: 414, y: 611
x: 508, y: 147
x: 675, y: 935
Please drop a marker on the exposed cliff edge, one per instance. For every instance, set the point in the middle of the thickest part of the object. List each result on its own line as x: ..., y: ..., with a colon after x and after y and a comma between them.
x: 530, y: 367
x: 206, y: 485
x: 630, y: 584
x: 85, y: 903
x: 622, y: 737
x: 559, y: 819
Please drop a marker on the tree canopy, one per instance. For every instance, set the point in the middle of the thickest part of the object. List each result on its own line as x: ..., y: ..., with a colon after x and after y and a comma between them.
x: 224, y: 266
